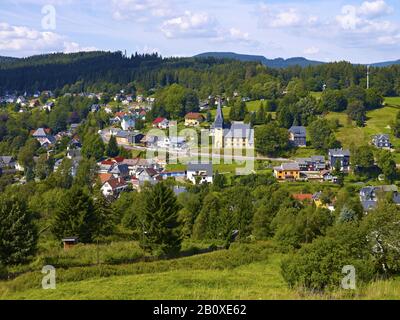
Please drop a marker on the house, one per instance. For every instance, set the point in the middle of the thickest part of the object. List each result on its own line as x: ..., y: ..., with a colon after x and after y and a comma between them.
x: 193, y: 119
x: 173, y: 142
x: 199, y: 173
x: 314, y: 163
x: 239, y: 135
x: 369, y: 196
x: 297, y: 136
x: 126, y: 137
x: 161, y: 123
x: 128, y: 123
x: 148, y: 175
x: 114, y: 187
x: 119, y: 171
x: 381, y: 141
x: 44, y: 137
x: 341, y: 157
x: 287, y: 171
x: 7, y: 165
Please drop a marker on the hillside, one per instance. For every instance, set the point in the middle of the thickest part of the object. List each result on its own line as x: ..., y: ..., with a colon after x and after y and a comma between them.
x: 272, y: 63
x: 245, y: 272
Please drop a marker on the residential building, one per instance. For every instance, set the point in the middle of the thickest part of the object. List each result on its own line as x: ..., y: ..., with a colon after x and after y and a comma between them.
x: 287, y: 171
x: 297, y: 136
x: 114, y: 187
x: 193, y: 119
x: 381, y: 141
x: 199, y: 173
x: 127, y: 137
x: 161, y: 123
x: 314, y: 163
x: 339, y: 156
x: 369, y: 196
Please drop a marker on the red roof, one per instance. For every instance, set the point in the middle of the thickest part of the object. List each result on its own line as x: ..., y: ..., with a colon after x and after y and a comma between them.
x: 119, y: 159
x: 117, y: 183
x: 303, y: 197
x: 158, y: 120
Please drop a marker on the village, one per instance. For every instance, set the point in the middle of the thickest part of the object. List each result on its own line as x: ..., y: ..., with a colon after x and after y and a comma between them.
x: 120, y: 174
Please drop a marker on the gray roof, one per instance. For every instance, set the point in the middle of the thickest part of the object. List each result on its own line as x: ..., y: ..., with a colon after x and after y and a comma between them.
x: 219, y: 118
x: 194, y: 167
x: 239, y: 130
x: 298, y: 131
x: 339, y: 153
x: 289, y: 167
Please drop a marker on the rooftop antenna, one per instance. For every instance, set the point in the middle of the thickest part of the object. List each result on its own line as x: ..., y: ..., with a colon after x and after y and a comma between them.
x: 368, y: 73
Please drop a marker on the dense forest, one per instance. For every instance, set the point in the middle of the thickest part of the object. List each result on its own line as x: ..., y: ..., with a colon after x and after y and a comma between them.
x: 104, y: 71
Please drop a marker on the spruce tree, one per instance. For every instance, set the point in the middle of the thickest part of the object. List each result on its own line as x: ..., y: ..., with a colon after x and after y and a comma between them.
x: 105, y: 217
x: 112, y: 147
x: 161, y: 230
x: 18, y: 234
x: 75, y: 216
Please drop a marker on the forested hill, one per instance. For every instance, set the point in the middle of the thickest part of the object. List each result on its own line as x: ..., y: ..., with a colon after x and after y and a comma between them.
x: 112, y: 71
x: 54, y: 71
x: 272, y: 63
x: 7, y: 59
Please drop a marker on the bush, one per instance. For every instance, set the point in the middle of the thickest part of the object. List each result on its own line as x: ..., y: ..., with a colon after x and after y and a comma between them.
x: 318, y: 266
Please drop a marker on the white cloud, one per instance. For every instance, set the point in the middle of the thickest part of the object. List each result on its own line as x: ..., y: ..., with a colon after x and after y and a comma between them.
x: 194, y: 25
x: 23, y: 40
x: 364, y: 18
x: 140, y: 10
x: 275, y: 17
x: 374, y: 9
x: 15, y: 38
x: 70, y: 47
x: 312, y: 51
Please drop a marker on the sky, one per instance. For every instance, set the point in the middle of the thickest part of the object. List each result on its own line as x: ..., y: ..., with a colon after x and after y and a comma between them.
x: 356, y: 31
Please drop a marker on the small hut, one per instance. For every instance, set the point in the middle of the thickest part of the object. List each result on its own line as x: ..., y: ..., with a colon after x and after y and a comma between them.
x: 69, y: 242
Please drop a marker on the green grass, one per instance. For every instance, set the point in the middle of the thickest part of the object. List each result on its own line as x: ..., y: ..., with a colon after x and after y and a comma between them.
x: 316, y: 95
x: 379, y: 121
x: 244, y: 272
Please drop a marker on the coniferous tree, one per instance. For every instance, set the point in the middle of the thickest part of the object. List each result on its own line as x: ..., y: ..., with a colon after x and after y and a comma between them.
x: 161, y: 231
x: 112, y: 147
x: 18, y: 235
x: 106, y: 219
x: 75, y: 216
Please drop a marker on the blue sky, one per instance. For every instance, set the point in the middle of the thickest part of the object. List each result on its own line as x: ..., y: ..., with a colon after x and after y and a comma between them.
x: 358, y: 31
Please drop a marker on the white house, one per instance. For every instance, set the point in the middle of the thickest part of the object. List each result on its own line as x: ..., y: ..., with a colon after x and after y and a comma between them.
x: 199, y: 173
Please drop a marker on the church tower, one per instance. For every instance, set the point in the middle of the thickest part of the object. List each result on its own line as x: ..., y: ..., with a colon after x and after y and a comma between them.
x: 218, y: 128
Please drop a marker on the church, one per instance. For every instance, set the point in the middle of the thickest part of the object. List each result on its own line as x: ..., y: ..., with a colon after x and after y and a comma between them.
x: 238, y: 136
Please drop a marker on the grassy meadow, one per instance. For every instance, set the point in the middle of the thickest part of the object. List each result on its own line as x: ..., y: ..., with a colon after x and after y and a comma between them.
x: 245, y: 271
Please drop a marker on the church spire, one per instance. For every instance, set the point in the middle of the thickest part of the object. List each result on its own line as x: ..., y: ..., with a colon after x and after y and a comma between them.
x: 219, y: 118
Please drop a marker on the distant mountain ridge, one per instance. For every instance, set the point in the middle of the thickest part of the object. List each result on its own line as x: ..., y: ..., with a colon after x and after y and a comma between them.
x: 385, y: 64
x: 272, y: 63
x: 279, y: 62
